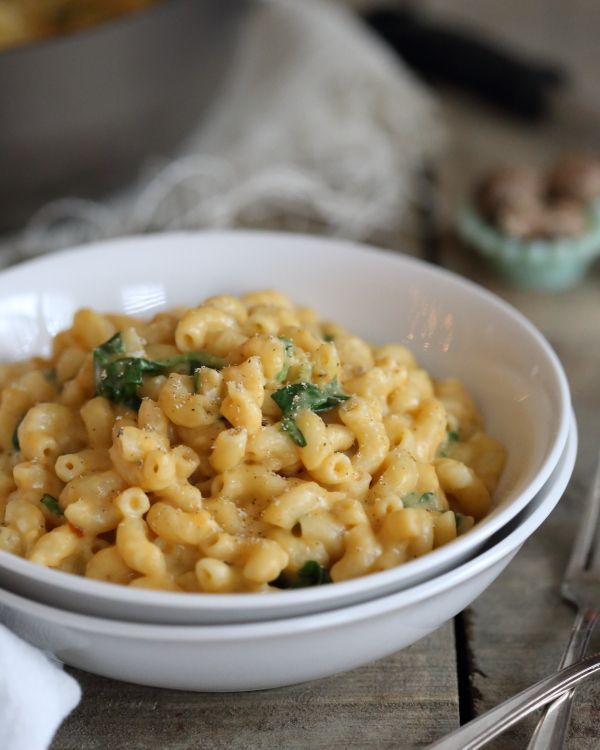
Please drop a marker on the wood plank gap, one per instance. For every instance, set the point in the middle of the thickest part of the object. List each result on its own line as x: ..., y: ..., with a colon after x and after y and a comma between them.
x: 464, y: 669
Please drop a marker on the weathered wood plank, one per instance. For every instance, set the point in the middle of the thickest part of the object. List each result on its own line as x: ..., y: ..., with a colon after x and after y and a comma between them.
x: 519, y: 627
x: 402, y: 702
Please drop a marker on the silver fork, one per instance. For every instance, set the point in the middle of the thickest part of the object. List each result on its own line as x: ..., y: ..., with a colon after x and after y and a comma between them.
x: 581, y: 587
x: 489, y: 725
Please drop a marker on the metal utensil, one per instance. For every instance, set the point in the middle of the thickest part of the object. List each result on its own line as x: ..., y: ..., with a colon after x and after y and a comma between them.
x: 580, y: 587
x: 484, y: 728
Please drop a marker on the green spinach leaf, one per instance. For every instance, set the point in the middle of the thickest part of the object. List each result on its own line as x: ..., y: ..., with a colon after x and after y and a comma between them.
x: 52, y: 504
x: 312, y: 574
x: 297, y: 397
x: 288, y: 351
x: 15, y: 436
x: 452, y: 436
x: 427, y: 500
x: 119, y: 378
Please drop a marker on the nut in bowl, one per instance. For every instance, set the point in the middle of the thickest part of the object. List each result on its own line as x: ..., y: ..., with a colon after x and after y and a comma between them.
x: 536, y: 230
x: 246, y: 414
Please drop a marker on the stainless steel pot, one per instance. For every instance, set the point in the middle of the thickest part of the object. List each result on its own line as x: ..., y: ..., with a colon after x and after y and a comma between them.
x: 79, y: 113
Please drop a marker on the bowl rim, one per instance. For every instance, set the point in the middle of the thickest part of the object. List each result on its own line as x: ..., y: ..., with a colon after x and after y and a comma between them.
x: 331, y: 618
x: 80, y: 255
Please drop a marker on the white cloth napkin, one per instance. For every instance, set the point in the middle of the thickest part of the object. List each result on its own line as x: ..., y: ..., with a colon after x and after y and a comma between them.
x: 320, y: 128
x: 35, y: 695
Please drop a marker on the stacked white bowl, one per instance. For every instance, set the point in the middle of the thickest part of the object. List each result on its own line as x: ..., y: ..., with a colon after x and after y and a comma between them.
x: 251, y: 641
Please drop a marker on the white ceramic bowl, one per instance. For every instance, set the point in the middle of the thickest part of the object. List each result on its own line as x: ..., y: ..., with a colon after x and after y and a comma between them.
x: 453, y: 326
x: 281, y: 652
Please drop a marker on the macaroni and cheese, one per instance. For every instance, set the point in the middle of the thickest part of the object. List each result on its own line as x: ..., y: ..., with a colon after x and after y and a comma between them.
x: 23, y: 21
x: 243, y: 445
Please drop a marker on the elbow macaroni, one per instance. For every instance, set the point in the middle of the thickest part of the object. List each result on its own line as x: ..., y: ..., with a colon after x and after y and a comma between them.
x: 202, y: 485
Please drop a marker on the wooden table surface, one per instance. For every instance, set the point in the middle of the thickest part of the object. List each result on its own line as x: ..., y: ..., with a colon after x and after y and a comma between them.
x: 509, y: 638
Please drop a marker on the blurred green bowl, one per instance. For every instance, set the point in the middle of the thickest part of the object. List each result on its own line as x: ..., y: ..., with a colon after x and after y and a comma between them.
x: 535, y: 264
